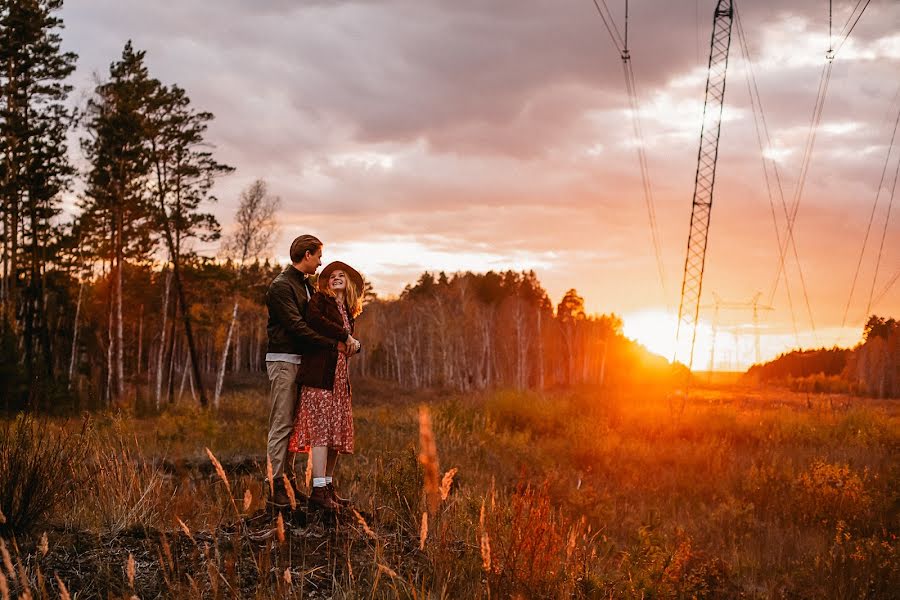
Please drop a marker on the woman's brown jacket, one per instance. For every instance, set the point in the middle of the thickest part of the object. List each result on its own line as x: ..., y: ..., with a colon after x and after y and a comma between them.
x: 318, y: 364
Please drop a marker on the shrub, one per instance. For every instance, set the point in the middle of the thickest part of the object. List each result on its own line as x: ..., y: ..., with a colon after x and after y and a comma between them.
x: 125, y: 490
x: 854, y: 567
x: 35, y: 470
x: 833, y: 493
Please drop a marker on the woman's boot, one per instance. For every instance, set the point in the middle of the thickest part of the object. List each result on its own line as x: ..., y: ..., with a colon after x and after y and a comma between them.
x: 320, y: 499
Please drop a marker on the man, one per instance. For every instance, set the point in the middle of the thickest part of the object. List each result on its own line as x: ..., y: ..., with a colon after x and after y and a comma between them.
x: 289, y: 336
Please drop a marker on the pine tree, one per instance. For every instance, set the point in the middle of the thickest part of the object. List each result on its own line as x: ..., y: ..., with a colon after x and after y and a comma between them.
x: 117, y: 207
x: 184, y: 172
x: 34, y: 168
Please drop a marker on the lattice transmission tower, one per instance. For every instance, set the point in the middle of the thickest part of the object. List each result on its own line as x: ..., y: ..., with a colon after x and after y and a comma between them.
x: 705, y: 178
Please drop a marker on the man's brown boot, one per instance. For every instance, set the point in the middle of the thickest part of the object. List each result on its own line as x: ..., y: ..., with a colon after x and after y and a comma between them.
x: 337, y: 499
x: 279, y: 500
x: 320, y: 499
x: 299, y: 496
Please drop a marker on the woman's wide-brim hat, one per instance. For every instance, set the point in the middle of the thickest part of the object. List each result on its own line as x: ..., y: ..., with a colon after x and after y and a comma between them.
x: 337, y: 265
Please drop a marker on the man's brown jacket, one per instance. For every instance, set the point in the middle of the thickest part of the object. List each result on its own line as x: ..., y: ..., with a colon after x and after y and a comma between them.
x: 287, y: 329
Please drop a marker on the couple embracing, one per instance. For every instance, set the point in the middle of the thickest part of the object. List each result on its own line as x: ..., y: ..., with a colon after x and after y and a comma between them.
x: 310, y: 340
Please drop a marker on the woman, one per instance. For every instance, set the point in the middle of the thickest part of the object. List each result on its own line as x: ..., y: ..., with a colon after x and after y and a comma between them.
x: 323, y: 424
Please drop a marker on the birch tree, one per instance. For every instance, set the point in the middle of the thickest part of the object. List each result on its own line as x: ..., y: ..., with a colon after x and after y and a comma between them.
x: 255, y: 227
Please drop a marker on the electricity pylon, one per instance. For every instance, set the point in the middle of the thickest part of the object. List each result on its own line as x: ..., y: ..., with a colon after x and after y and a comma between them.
x: 719, y: 304
x: 705, y: 178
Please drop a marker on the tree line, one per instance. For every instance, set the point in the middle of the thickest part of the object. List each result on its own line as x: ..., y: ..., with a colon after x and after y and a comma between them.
x: 472, y: 331
x: 872, y: 368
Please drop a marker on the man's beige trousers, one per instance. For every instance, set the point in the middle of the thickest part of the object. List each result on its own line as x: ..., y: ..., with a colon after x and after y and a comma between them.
x: 283, y: 395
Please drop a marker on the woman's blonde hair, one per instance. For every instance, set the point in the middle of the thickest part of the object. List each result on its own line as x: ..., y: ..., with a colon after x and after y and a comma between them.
x: 352, y: 296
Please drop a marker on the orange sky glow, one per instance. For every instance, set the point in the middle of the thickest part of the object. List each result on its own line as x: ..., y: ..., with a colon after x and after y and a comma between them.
x: 457, y: 136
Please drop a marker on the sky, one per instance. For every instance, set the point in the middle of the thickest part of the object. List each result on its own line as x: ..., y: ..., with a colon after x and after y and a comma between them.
x: 415, y: 135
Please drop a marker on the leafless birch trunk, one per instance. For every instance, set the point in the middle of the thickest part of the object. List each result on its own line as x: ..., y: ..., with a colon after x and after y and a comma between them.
x: 74, y: 355
x: 140, y: 352
x: 256, y: 226
x: 162, y: 341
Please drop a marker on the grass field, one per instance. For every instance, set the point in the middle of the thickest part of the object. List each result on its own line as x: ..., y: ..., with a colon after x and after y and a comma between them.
x: 740, y: 492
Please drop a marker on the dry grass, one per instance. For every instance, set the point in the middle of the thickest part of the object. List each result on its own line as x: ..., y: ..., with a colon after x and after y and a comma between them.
x: 579, y: 493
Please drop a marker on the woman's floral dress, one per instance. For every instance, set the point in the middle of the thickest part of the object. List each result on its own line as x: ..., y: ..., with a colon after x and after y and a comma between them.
x: 325, y: 417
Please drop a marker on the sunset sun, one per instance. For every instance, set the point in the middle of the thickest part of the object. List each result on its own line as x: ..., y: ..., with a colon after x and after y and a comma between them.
x: 654, y: 329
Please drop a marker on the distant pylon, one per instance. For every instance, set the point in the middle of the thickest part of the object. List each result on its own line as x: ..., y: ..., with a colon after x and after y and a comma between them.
x: 719, y: 304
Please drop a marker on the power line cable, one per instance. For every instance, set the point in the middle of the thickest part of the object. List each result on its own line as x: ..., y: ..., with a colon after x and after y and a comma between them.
x: 869, y: 224
x: 610, y: 25
x: 887, y: 220
x: 634, y: 102
x: 621, y: 44
x: 830, y: 10
x: 886, y: 288
x: 761, y: 126
x: 818, y: 110
x: 845, y: 36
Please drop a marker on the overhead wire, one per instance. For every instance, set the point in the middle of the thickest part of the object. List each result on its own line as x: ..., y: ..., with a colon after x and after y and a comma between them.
x: 762, y: 135
x: 887, y: 220
x: 862, y: 251
x: 844, y: 36
x: 886, y: 288
x: 806, y: 160
x: 610, y: 25
x: 621, y: 44
x: 818, y: 109
x: 631, y: 88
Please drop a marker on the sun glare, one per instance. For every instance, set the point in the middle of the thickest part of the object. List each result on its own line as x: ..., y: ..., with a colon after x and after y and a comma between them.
x: 655, y: 329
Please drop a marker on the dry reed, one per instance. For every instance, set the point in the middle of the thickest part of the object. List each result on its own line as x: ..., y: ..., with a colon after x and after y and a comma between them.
x: 219, y: 469
x: 485, y: 542
x: 289, y: 490
x: 129, y: 570
x: 423, y: 531
x: 447, y: 482
x: 185, y: 529
x: 63, y: 590
x: 389, y: 571
x: 7, y: 560
x: 429, y: 459
x: 279, y: 528
x: 363, y: 523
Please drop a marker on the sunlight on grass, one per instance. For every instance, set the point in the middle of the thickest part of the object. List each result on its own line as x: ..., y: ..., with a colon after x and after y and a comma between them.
x: 579, y: 493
